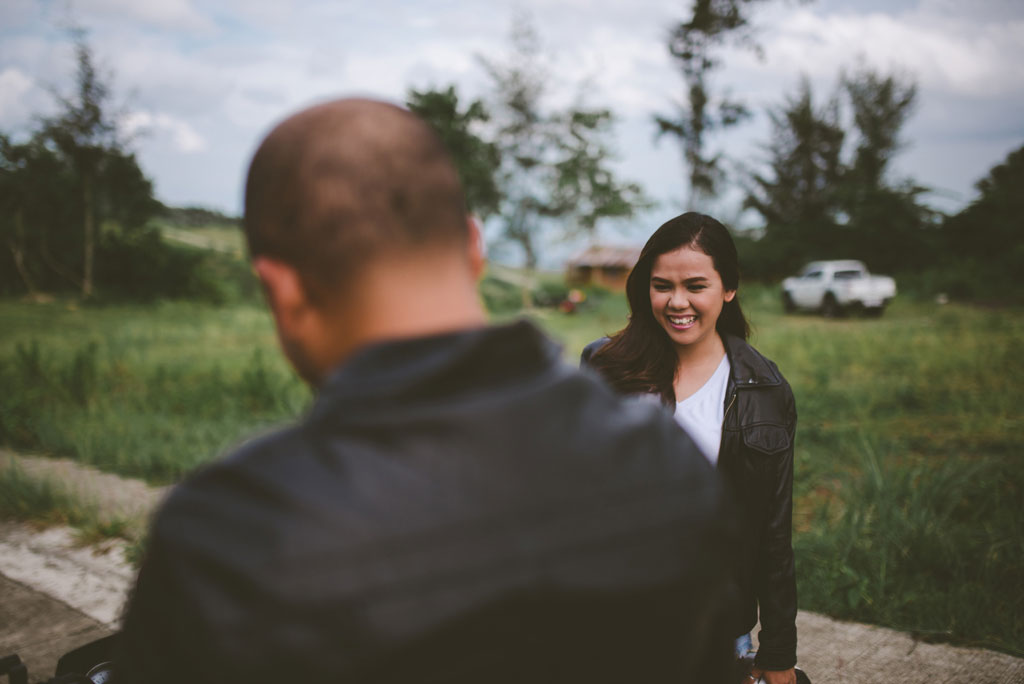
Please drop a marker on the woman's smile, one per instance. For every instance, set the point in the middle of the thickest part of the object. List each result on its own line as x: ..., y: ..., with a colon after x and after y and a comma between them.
x: 681, y: 322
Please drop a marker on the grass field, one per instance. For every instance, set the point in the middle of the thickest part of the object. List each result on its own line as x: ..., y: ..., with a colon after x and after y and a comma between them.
x: 909, y: 488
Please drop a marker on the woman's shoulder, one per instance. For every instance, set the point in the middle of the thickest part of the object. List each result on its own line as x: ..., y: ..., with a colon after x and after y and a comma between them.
x: 749, y: 366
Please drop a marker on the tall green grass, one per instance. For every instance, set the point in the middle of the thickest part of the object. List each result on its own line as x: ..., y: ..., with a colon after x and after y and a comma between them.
x: 909, y: 483
x: 145, y: 392
x: 936, y: 549
x: 909, y: 463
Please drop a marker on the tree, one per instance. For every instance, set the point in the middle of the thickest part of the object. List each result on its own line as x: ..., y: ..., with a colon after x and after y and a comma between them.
x: 692, y: 45
x: 585, y: 187
x: 880, y: 105
x: 35, y: 185
x: 477, y: 159
x: 521, y: 135
x: 799, y: 199
x: 989, y: 231
x: 883, y: 214
x: 86, y: 135
x: 555, y: 165
x: 58, y: 187
x: 818, y: 202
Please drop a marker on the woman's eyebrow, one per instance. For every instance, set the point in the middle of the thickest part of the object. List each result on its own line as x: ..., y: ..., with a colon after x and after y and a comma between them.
x: 685, y: 280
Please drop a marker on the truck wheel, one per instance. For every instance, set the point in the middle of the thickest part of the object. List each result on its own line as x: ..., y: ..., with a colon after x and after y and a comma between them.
x: 787, y: 303
x: 830, y: 307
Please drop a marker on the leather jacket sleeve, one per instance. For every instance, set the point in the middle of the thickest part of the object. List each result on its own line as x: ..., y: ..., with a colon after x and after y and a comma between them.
x: 775, y: 580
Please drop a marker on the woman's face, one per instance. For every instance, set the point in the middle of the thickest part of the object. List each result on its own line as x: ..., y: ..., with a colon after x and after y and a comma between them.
x: 687, y: 295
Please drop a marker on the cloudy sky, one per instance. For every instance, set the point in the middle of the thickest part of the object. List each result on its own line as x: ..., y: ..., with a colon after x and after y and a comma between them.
x: 200, y: 82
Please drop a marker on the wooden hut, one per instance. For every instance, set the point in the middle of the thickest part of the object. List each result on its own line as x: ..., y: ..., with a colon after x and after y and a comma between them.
x: 604, y: 265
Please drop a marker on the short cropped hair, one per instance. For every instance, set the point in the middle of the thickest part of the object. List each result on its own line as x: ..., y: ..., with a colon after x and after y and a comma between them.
x: 340, y: 184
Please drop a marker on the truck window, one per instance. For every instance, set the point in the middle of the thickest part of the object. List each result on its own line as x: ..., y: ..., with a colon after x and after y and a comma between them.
x: 813, y: 275
x: 847, y: 275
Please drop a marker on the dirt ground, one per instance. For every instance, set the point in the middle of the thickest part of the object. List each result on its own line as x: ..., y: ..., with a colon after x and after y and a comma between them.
x: 55, y: 596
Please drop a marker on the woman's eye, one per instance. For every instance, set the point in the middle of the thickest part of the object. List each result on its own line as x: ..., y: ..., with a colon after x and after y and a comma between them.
x: 661, y: 287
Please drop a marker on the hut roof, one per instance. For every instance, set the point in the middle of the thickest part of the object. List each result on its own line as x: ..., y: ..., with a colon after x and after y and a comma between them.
x: 606, y: 255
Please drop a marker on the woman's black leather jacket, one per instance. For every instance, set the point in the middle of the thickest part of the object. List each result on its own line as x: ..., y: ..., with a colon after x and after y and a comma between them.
x: 756, y: 459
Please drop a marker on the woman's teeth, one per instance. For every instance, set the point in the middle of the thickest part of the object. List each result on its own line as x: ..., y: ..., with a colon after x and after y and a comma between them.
x: 681, y: 320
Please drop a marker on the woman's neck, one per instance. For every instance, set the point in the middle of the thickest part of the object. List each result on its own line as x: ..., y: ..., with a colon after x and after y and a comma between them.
x: 697, y: 363
x: 708, y: 350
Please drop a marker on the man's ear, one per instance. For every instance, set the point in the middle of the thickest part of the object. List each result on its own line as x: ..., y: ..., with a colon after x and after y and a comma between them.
x: 285, y: 294
x: 475, y: 248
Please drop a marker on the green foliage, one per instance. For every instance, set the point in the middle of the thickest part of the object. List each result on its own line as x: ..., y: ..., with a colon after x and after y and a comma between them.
x: 150, y: 397
x: 693, y: 45
x: 819, y: 203
x: 584, y: 188
x: 197, y: 217
x: 909, y: 479
x: 35, y: 216
x: 902, y: 543
x: 141, y: 266
x: 500, y: 296
x: 988, y: 233
x: 554, y: 163
x: 476, y: 159
x: 908, y: 470
x: 550, y: 292
x: 799, y: 199
x: 880, y: 105
x: 62, y: 185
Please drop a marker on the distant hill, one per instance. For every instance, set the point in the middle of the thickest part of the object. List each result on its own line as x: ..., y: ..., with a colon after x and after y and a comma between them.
x: 197, y: 217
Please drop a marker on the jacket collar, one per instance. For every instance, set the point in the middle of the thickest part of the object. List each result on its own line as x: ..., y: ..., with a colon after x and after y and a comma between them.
x: 748, y: 367
x: 394, y: 377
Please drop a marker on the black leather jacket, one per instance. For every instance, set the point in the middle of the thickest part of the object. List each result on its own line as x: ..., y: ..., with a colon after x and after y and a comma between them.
x: 756, y: 459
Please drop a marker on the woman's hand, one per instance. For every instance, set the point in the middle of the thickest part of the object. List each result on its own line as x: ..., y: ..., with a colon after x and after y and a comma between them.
x: 774, y: 676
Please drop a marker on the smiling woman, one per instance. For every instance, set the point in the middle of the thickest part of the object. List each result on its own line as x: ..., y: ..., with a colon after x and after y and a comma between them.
x: 686, y: 344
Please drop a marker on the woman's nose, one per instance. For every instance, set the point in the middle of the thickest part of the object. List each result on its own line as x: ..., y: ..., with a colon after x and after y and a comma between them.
x: 679, y: 300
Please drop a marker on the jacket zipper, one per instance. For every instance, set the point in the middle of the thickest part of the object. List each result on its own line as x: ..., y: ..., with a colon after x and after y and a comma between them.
x: 727, y: 408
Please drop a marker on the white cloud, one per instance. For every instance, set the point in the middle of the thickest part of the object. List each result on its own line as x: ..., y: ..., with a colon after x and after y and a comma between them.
x: 178, y: 15
x: 184, y: 138
x: 14, y: 86
x: 22, y: 101
x: 945, y: 54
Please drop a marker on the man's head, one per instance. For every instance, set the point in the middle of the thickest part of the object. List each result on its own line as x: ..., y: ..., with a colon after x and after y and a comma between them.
x: 345, y: 204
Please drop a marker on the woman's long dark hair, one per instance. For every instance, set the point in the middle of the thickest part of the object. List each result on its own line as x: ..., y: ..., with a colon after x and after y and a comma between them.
x: 641, y: 358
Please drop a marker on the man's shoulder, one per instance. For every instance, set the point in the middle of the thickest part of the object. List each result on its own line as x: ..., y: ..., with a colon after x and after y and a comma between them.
x: 215, y: 494
x: 591, y: 349
x: 634, y: 428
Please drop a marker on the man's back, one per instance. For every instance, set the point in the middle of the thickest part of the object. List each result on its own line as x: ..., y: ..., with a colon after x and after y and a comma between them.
x: 457, y: 508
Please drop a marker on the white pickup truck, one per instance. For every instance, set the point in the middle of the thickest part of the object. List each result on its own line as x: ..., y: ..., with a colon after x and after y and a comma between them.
x: 835, y: 287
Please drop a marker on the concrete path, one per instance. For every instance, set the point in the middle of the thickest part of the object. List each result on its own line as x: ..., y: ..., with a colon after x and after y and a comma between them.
x: 55, y: 596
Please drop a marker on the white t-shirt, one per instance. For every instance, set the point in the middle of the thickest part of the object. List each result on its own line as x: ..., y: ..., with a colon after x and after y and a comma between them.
x: 702, y: 412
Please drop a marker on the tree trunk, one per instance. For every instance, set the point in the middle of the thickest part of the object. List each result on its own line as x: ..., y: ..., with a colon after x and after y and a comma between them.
x: 90, y: 236
x: 531, y: 269
x: 19, y: 254
x: 51, y: 263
